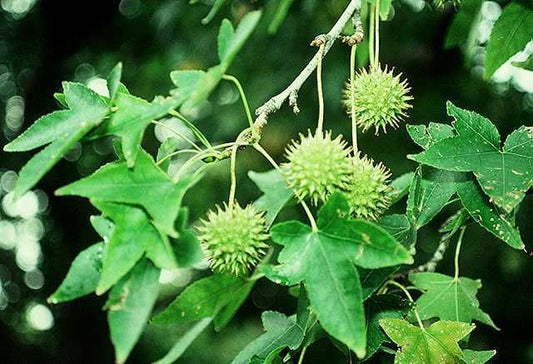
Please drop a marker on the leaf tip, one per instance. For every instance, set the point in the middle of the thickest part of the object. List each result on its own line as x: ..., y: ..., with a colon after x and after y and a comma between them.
x: 412, y: 157
x: 62, y: 191
x: 9, y: 147
x: 100, y: 290
x: 360, y: 352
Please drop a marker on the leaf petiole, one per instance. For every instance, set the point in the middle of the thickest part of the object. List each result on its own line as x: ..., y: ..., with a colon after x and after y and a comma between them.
x: 244, y: 101
x: 201, y: 137
x: 410, y: 298
x: 457, y: 252
x: 177, y: 133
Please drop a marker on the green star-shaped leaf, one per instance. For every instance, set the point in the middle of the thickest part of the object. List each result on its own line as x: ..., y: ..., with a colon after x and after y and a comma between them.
x: 129, y: 305
x: 325, y: 261
x: 435, y: 344
x: 448, y: 298
x: 60, y: 130
x: 487, y: 215
x: 132, y: 236
x: 281, y: 332
x: 132, y: 117
x: 504, y: 174
x: 144, y: 185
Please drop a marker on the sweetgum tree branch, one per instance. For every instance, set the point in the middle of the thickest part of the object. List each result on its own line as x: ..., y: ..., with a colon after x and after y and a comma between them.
x: 291, y: 92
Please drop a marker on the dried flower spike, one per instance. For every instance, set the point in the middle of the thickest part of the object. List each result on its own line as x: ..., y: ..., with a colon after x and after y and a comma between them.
x: 318, y: 165
x: 233, y: 239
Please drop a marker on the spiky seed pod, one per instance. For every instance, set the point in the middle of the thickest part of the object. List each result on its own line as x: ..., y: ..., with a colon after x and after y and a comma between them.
x: 318, y: 165
x: 368, y: 192
x: 380, y: 98
x: 233, y: 239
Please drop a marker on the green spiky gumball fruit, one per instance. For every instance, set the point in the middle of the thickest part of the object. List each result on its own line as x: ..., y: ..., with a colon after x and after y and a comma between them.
x: 318, y: 165
x: 233, y: 239
x: 368, y: 192
x: 380, y: 99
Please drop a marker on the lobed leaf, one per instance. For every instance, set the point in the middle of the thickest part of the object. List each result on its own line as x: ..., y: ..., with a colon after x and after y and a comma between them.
x: 325, y: 261
x: 448, y: 298
x: 144, y: 185
x: 504, y: 174
x: 86, y: 109
x: 83, y: 275
x: 487, y: 215
x: 435, y: 344
x: 61, y: 130
x: 184, y: 342
x: 204, y: 298
x: 511, y: 33
x: 130, y: 120
x: 281, y: 332
x: 129, y: 305
x: 132, y: 237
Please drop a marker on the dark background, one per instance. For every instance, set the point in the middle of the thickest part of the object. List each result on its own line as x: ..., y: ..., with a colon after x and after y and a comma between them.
x: 80, y: 40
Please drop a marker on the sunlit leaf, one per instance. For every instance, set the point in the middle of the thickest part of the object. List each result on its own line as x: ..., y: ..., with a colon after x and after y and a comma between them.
x: 504, y: 174
x: 448, y: 298
x: 204, y: 298
x: 511, y: 33
x: 83, y: 275
x: 130, y: 120
x: 435, y: 344
x: 61, y: 130
x: 113, y: 80
x: 487, y: 215
x: 477, y: 357
x: 144, y: 185
x: 325, y: 261
x: 280, y: 332
x: 129, y: 305
x: 131, y: 238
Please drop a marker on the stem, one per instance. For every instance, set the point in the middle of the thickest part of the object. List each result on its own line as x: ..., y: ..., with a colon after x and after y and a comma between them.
x: 410, y: 298
x: 320, y: 91
x: 188, y: 162
x: 275, y: 103
x: 457, y: 251
x: 352, y: 98
x: 201, y: 137
x: 233, y: 168
x: 371, y: 35
x: 243, y: 98
x: 271, y: 160
x: 175, y: 154
x: 302, y: 354
x: 177, y: 133
x: 376, y: 54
